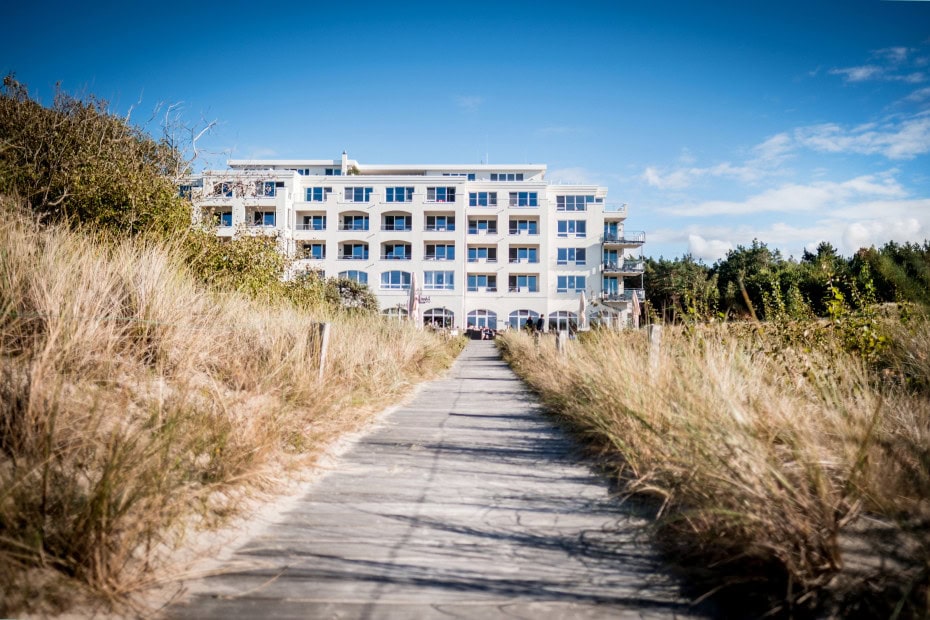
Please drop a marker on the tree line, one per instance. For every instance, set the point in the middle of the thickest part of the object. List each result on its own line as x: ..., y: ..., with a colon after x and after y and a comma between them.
x: 757, y: 281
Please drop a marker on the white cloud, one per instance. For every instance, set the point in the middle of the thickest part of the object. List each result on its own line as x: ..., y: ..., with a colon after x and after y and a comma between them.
x: 918, y: 96
x: 708, y: 250
x: 797, y: 198
x: 895, y: 140
x: 859, y: 74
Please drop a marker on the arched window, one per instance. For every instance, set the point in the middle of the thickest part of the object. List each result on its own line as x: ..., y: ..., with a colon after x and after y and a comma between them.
x: 353, y: 274
x: 399, y: 280
x: 439, y: 317
x: 482, y: 318
x: 395, y: 312
x: 518, y: 318
x: 563, y: 320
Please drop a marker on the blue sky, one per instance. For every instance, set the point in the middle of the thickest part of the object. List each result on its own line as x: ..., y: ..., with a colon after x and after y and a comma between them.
x: 717, y: 122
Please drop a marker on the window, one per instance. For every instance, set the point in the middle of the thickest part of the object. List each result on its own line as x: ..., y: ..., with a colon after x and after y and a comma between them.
x: 439, y: 317
x: 318, y: 194
x: 221, y: 218
x: 266, y: 189
x: 482, y: 199
x: 482, y: 318
x: 570, y: 284
x: 333, y: 172
x: 522, y: 283
x: 313, y: 222
x: 571, y: 255
x: 506, y: 176
x: 524, y: 255
x: 358, y: 194
x: 482, y: 226
x: 263, y: 218
x: 563, y: 320
x: 395, y: 280
x: 354, y: 251
x: 356, y: 276
x: 185, y: 191
x: 438, y: 280
x: 440, y: 223
x: 440, y: 194
x: 304, y: 172
x: 611, y: 286
x: 398, y: 194
x: 482, y: 282
x: 524, y: 227
x: 478, y: 254
x: 354, y: 222
x: 396, y: 251
x: 523, y: 199
x: 519, y: 318
x: 469, y: 175
x: 396, y: 222
x: 572, y: 228
x: 611, y: 259
x: 223, y: 188
x: 442, y: 251
x: 572, y: 203
x: 316, y: 251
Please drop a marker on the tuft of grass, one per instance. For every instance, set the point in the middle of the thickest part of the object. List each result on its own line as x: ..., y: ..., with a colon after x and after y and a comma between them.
x: 764, y: 468
x: 133, y: 400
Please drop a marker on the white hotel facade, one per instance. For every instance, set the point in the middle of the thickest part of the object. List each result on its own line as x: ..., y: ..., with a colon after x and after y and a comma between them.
x: 485, y: 245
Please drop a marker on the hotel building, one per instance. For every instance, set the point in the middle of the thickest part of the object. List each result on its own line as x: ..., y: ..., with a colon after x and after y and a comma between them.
x: 485, y: 245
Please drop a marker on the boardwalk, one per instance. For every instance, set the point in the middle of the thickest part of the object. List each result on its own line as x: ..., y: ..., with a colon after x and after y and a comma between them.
x: 465, y: 503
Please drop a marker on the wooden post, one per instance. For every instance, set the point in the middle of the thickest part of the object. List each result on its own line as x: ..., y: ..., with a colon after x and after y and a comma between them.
x: 655, y: 344
x: 560, y: 340
x: 324, y: 347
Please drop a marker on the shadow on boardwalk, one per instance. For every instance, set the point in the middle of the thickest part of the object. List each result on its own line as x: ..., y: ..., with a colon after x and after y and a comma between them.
x: 465, y: 503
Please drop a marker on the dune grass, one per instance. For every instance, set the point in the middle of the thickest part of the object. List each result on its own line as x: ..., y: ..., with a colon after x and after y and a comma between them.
x: 771, y: 467
x: 134, y: 402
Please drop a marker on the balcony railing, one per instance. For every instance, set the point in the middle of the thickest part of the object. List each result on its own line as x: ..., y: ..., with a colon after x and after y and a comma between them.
x: 449, y: 228
x: 353, y: 256
x: 482, y: 231
x: 395, y: 257
x: 344, y: 226
x: 482, y: 289
x: 615, y: 211
x: 523, y: 289
x: 438, y: 257
x: 311, y: 227
x: 523, y: 231
x: 396, y: 228
x: 479, y: 259
x: 624, y: 295
x: 514, y: 259
x: 626, y: 238
x: 625, y: 266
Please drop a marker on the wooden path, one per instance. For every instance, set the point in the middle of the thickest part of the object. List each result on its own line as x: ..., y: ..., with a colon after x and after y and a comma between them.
x: 465, y: 503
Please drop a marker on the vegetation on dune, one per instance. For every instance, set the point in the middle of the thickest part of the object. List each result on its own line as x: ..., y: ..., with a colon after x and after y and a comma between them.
x: 151, y: 375
x: 790, y: 458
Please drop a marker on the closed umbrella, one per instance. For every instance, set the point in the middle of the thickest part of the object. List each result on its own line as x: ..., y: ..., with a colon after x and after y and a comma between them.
x: 583, y: 312
x: 413, y: 302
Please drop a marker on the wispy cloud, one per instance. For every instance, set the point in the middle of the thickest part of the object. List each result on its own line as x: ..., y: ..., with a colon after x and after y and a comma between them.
x: 794, y: 197
x: 890, y: 64
x: 469, y: 102
x: 893, y: 138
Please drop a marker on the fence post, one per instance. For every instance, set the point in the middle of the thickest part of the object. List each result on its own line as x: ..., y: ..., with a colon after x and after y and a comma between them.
x: 655, y: 343
x: 560, y: 340
x: 324, y: 346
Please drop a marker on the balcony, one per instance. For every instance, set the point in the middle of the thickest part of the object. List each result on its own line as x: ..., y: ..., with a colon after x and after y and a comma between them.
x: 438, y: 257
x: 514, y: 259
x: 523, y: 289
x: 615, y: 212
x: 626, y: 239
x: 395, y: 257
x: 353, y: 226
x: 353, y: 256
x: 396, y: 228
x: 449, y: 228
x: 482, y: 231
x: 626, y: 295
x: 311, y: 227
x: 625, y: 267
x: 482, y: 289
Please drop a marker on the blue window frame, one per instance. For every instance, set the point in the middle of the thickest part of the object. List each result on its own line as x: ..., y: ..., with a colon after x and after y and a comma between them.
x: 478, y: 226
x: 358, y: 194
x: 506, y: 176
x: 263, y: 218
x: 524, y: 283
x: 440, y: 194
x: 354, y: 251
x: 440, y: 251
x: 225, y: 218
x: 572, y: 203
x: 482, y: 199
x: 396, y: 251
x: 439, y: 280
x: 398, y: 194
x: 526, y: 227
x: 524, y: 255
x: 567, y: 284
x: 355, y: 275
x: 523, y: 199
x: 571, y: 255
x: 440, y: 222
x: 316, y: 251
x: 519, y: 318
x: 395, y: 280
x: 318, y: 194
x: 354, y: 222
x: 479, y: 281
x: 486, y: 254
x: 397, y: 222
x: 572, y: 228
x: 333, y: 172
x: 314, y: 222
